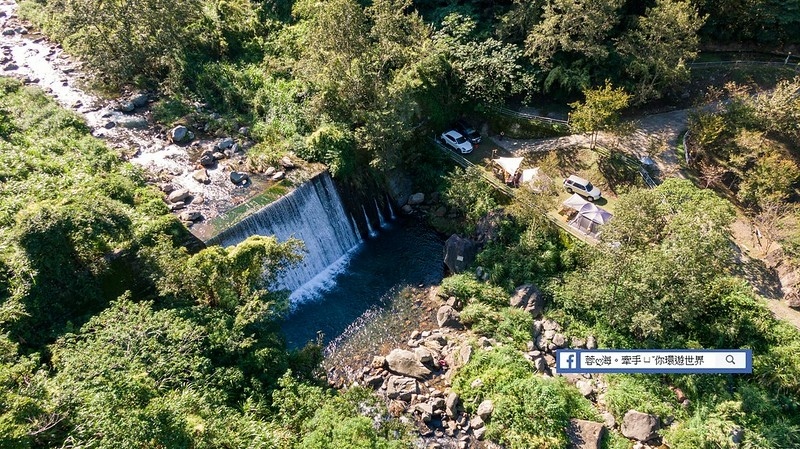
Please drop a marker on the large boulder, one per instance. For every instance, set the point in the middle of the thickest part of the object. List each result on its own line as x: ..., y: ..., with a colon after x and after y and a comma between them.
x: 451, y: 404
x: 640, y: 426
x: 178, y: 133
x: 447, y: 316
x: 528, y: 297
x: 405, y: 363
x: 485, y: 409
x: 178, y: 195
x: 415, y: 199
x: 402, y: 388
x: 584, y: 434
x: 459, y: 253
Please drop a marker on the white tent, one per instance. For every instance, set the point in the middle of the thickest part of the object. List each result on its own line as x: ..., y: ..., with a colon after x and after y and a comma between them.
x: 575, y: 202
x: 509, y: 164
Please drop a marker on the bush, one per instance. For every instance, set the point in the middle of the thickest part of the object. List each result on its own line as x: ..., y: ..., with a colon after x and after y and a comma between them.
x: 509, y: 324
x: 466, y: 288
x: 530, y: 411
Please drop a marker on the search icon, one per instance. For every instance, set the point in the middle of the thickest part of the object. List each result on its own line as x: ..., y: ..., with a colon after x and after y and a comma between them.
x: 729, y: 359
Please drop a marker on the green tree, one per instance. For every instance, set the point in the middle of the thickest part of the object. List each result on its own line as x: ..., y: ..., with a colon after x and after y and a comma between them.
x: 658, y: 46
x: 468, y: 194
x: 571, y: 40
x: 125, y: 39
x: 334, y: 145
x: 659, y: 265
x: 600, y: 111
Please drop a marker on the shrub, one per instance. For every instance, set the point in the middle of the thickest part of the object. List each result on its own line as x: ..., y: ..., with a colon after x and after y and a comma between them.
x: 466, y: 288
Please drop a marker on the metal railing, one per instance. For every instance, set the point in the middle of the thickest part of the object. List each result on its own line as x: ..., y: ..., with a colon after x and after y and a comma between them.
x: 789, y: 64
x: 527, y: 116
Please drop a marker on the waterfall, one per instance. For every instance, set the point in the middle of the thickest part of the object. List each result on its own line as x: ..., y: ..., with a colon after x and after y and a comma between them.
x: 355, y: 228
x: 372, y: 232
x: 380, y: 215
x: 391, y: 211
x: 312, y: 213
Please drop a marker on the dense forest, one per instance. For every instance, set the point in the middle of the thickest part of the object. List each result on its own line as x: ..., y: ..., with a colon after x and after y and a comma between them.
x: 113, y: 335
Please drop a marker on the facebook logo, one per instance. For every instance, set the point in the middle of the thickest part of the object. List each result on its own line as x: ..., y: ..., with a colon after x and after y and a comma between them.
x: 567, y: 361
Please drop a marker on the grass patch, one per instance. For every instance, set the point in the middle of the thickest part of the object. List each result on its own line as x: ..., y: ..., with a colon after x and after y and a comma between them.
x: 171, y: 110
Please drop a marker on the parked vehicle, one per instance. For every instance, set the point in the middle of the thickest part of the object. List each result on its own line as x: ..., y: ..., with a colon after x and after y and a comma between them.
x: 466, y: 130
x: 456, y: 141
x: 584, y: 188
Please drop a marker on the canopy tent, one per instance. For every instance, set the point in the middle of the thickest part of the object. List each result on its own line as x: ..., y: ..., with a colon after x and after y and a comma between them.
x: 536, y: 179
x: 589, y: 219
x: 509, y: 164
x: 575, y: 202
x: 600, y: 216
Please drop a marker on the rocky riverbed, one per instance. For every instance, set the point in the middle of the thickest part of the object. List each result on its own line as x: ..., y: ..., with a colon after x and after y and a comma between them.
x: 200, y: 170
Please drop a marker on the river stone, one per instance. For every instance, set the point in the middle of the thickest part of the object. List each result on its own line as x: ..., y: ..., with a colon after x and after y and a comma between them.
x: 8, y: 32
x: 479, y: 433
x: 286, y: 162
x: 591, y: 342
x: 192, y: 215
x: 585, y: 387
x: 640, y: 426
x: 278, y: 175
x: 559, y: 340
x: 140, y: 100
x: 415, y: 199
x: 447, y: 316
x: 218, y: 155
x: 201, y: 176
x: 207, y: 159
x: 178, y: 133
x: 424, y: 355
x: 245, y: 131
x: 225, y: 143
x: 374, y: 382
x: 541, y: 364
x: 451, y: 404
x: 476, y: 422
x: 459, y: 253
x: 178, y: 195
x: 528, y: 297
x: 239, y: 178
x: 133, y: 122
x: 402, y: 388
x: 405, y: 363
x: 269, y: 171
x: 584, y: 434
x: 126, y: 106
x: 485, y: 409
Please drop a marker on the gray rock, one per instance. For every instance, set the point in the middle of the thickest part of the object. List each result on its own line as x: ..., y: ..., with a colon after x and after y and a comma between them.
x: 133, y: 122
x: 198, y: 199
x: 402, y: 388
x: 8, y: 32
x: 374, y: 382
x: 225, y: 143
x: 178, y: 133
x: 126, y: 106
x: 476, y: 422
x: 245, y: 131
x: 585, y: 387
x: 609, y: 420
x: 438, y: 403
x: 239, y: 178
x: 407, y: 209
x: 591, y: 342
x: 405, y: 363
x: 549, y: 324
x: 540, y: 364
x: 218, y: 155
x: 22, y: 30
x: 584, y: 434
x: 578, y: 343
x: 528, y: 297
x: 192, y: 215
x: 479, y: 433
x: 378, y: 362
x: 459, y: 253
x: 178, y: 195
x: 286, y: 163
x: 201, y: 176
x: 451, y: 404
x: 277, y: 176
x: 110, y: 125
x: 640, y: 426
x: 559, y: 341
x: 447, y: 316
x: 737, y: 435
x: 415, y: 199
x: 269, y: 171
x: 485, y: 409
x: 465, y: 353
x: 207, y: 160
x: 549, y: 334
x: 424, y: 355
x: 140, y: 100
